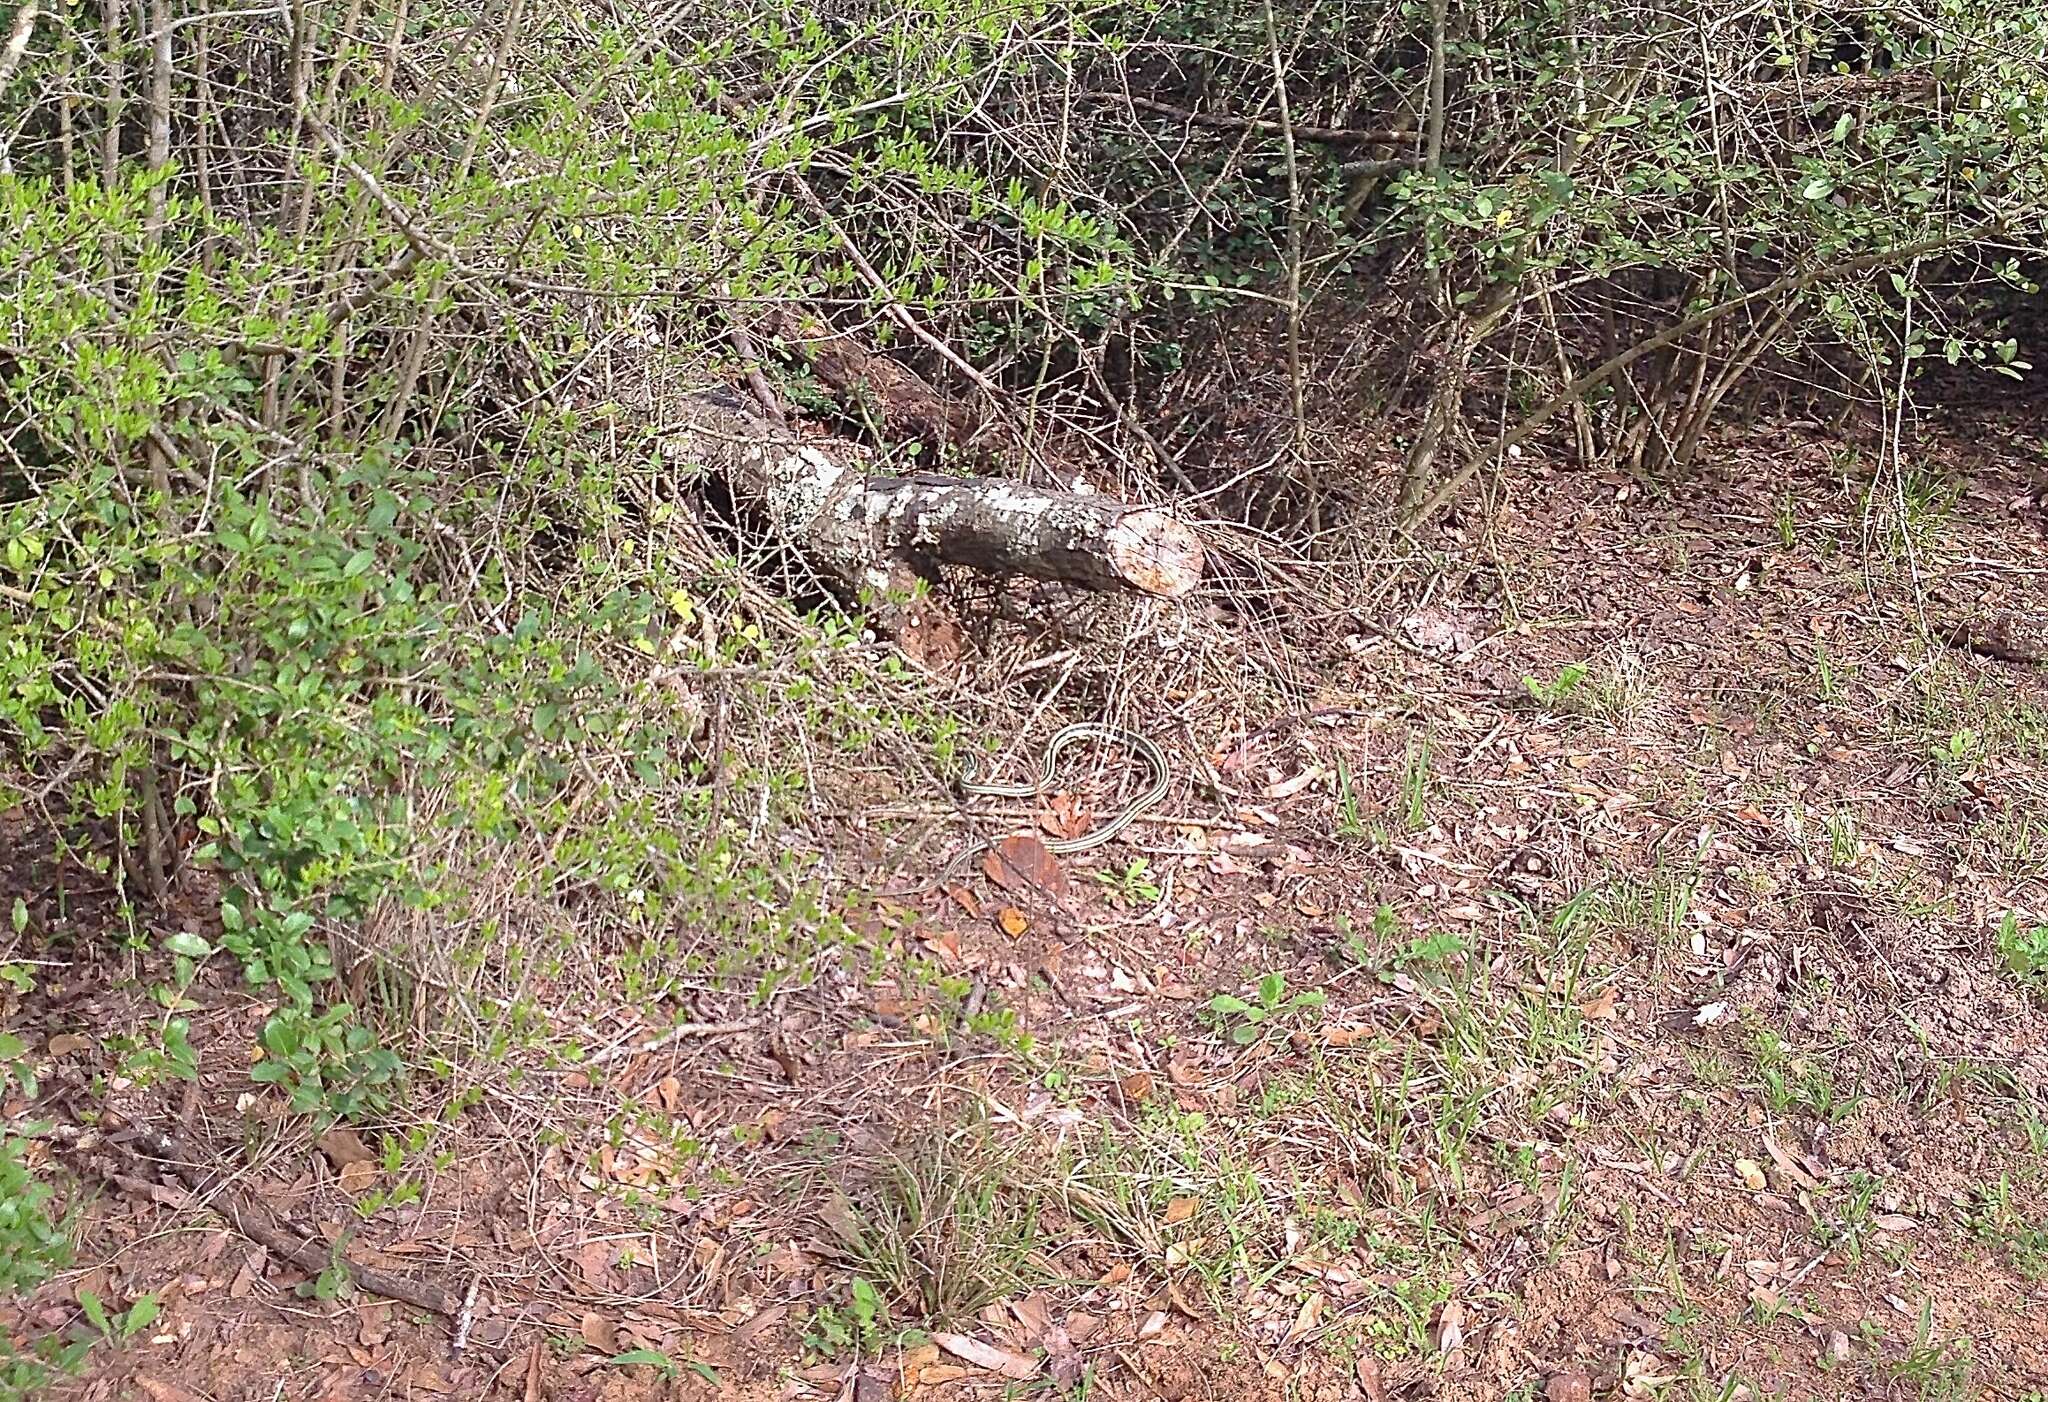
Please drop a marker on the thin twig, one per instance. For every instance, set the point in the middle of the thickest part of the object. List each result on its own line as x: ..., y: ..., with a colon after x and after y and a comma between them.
x: 250, y: 1219
x: 674, y: 1034
x: 467, y: 1317
x: 1217, y: 121
x: 17, y: 45
x: 1294, y: 368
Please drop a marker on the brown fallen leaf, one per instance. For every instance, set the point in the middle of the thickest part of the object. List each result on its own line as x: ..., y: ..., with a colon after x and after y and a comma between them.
x: 1015, y: 1366
x: 1600, y: 1009
x: 1572, y: 1386
x: 1752, y: 1175
x: 1022, y: 862
x: 1066, y: 816
x: 533, y: 1372
x: 1064, y: 1359
x: 1789, y: 1166
x: 428, y: 1377
x: 1305, y: 1321
x: 1450, y: 1327
x: 594, y: 1263
x: 1179, y: 1210
x: 344, y: 1146
x: 1371, y: 1381
x: 599, y: 1333
x: 163, y: 1391
x: 357, y: 1177
x: 1011, y: 921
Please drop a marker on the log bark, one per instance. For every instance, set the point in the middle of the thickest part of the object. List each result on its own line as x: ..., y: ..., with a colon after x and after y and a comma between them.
x: 873, y: 532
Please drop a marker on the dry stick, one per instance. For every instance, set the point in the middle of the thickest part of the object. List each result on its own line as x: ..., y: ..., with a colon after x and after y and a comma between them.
x: 17, y: 45
x: 1323, y: 136
x: 416, y: 349
x: 896, y: 309
x: 256, y: 1223
x: 1294, y: 371
x: 110, y: 138
x: 750, y: 365
x: 674, y: 1034
x: 1433, y: 150
x: 1599, y: 374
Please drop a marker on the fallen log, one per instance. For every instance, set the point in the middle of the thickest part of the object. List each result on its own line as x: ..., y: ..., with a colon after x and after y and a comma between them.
x: 881, y: 533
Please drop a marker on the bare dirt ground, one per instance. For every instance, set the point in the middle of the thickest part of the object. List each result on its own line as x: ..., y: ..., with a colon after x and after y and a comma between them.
x: 1615, y: 1004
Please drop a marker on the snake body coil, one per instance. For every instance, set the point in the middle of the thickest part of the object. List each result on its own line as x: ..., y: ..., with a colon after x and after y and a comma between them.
x: 1154, y: 758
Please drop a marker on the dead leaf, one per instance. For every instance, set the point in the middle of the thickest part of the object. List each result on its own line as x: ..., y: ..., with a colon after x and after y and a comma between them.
x: 1306, y: 1319
x: 1022, y: 862
x: 357, y: 1177
x: 251, y: 1272
x: 1180, y: 1210
x: 1789, y: 1166
x: 1568, y: 1387
x: 428, y: 1377
x: 594, y: 1261
x: 1066, y: 816
x: 1450, y: 1327
x: 343, y: 1147
x: 1015, y: 1366
x: 1064, y: 1359
x: 533, y: 1372
x: 599, y: 1333
x: 1011, y: 921
x: 1600, y: 1009
x: 1370, y: 1380
x: 1288, y: 788
x: 968, y: 901
x: 163, y: 1391
x: 1752, y: 1174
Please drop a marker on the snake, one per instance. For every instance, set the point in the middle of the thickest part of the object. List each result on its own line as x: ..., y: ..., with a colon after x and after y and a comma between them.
x: 1155, y: 760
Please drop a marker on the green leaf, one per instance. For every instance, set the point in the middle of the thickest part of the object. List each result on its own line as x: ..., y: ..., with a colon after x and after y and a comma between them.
x: 651, y: 1358
x: 95, y: 1311
x: 189, y: 945
x: 139, y: 1315
x: 1227, y: 1004
x: 11, y: 1046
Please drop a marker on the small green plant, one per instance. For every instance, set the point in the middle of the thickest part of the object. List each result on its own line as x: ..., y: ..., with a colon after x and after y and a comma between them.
x: 1997, y: 1220
x: 1133, y: 886
x: 666, y: 1368
x: 1415, y: 783
x: 118, y: 1326
x: 1432, y: 951
x: 1557, y: 693
x: 1350, y: 826
x: 2024, y: 951
x: 855, y: 1327
x: 1249, y: 1020
x: 1963, y: 749
x: 330, y: 1065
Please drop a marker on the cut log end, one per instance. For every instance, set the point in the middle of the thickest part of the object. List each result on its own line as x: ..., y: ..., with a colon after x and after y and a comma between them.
x: 1155, y: 554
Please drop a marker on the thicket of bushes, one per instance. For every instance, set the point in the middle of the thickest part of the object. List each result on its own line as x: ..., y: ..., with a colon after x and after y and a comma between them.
x: 336, y: 544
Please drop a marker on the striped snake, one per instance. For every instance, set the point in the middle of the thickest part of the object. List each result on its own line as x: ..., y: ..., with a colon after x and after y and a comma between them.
x: 1154, y: 758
